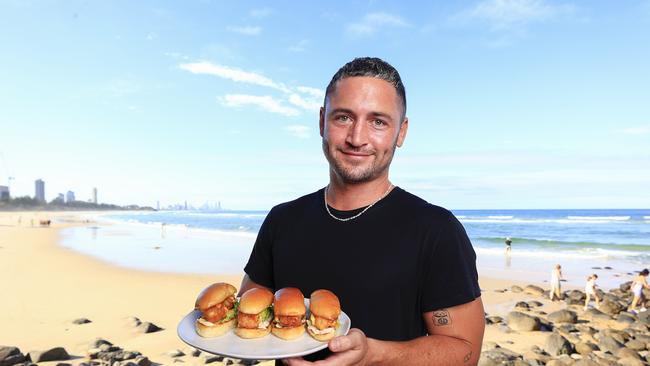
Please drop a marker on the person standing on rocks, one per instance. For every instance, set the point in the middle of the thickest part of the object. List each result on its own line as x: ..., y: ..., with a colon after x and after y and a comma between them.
x: 556, y: 276
x: 638, y: 285
x: 590, y: 290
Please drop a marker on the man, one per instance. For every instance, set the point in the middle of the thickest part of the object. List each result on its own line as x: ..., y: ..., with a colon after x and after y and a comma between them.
x: 403, y: 269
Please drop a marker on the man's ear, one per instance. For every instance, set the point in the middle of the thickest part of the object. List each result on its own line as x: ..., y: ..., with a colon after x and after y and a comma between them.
x: 402, y: 132
x: 321, y: 121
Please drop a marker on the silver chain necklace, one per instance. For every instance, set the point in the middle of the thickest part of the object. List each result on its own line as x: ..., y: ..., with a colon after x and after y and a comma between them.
x: 360, y: 213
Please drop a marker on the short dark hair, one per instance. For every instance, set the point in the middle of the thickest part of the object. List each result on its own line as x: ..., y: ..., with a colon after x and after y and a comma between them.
x: 645, y: 272
x: 370, y: 67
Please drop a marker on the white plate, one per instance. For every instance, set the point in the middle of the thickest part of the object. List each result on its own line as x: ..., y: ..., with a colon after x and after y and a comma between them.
x: 269, y: 347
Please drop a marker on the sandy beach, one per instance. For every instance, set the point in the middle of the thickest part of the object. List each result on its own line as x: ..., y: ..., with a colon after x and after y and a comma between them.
x: 45, y: 287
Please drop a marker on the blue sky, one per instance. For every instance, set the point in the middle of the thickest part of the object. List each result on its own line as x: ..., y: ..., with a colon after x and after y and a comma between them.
x: 512, y: 103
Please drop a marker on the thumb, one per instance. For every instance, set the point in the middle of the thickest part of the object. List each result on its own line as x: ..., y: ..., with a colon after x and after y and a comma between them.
x: 353, y: 340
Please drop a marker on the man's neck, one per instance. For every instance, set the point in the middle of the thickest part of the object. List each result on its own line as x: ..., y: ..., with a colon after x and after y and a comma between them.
x: 346, y: 197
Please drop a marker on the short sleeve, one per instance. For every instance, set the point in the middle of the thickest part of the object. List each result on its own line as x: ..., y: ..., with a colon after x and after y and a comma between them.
x: 450, y: 277
x: 260, y: 263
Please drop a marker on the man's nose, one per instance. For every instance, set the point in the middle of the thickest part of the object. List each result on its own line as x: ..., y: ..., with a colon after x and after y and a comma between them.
x: 357, y: 134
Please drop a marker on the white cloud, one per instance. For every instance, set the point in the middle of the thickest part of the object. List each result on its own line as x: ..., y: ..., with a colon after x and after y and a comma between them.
x: 233, y: 74
x: 307, y: 104
x: 265, y: 102
x: 507, y: 14
x: 245, y: 30
x: 300, y: 46
x: 299, y: 131
x: 640, y: 130
x: 261, y: 12
x: 317, y: 93
x: 371, y: 23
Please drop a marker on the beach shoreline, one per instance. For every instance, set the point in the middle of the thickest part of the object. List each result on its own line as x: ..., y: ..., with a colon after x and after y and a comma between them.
x: 50, y: 286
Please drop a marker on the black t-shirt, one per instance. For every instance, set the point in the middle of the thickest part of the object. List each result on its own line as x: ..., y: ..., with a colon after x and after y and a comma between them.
x: 401, y: 258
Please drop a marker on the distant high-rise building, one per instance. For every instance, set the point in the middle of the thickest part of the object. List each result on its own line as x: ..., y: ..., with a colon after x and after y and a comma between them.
x: 69, y: 197
x: 95, y: 195
x: 4, y: 193
x: 185, y: 205
x: 39, y: 194
x: 158, y: 205
x: 60, y: 198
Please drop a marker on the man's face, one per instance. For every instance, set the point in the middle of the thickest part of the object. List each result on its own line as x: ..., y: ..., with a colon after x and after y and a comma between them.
x: 361, y: 125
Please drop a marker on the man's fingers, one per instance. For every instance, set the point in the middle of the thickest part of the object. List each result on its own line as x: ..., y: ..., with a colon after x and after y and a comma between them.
x: 295, y: 361
x: 354, y: 340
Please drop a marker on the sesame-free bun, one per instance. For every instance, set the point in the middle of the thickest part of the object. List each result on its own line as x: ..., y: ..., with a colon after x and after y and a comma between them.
x: 322, y: 337
x: 253, y: 333
x: 213, y: 295
x: 325, y: 304
x: 288, y: 333
x: 289, y: 301
x: 215, y: 330
x: 255, y: 300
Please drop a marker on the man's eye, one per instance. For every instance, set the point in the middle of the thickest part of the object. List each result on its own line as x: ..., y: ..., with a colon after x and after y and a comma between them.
x: 378, y: 123
x: 343, y: 118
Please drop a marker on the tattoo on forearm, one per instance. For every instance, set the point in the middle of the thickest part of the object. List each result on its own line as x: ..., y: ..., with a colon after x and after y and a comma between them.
x: 441, y: 317
x: 467, y: 357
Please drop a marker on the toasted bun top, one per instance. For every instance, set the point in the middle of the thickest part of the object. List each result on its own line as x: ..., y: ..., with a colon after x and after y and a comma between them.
x: 255, y: 300
x: 325, y: 304
x: 213, y: 295
x: 289, y: 301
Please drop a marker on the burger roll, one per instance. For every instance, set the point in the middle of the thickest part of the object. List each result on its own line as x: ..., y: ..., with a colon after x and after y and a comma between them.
x: 218, y: 308
x: 255, y: 313
x: 325, y: 309
x: 289, y: 310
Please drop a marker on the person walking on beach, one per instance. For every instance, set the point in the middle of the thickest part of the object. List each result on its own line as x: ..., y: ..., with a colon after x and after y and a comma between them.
x: 639, y: 283
x: 556, y: 276
x: 508, y: 245
x: 590, y: 290
x: 403, y: 269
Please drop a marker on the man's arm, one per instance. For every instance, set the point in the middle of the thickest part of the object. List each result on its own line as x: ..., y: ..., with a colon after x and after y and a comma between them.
x: 455, y: 338
x: 247, y: 284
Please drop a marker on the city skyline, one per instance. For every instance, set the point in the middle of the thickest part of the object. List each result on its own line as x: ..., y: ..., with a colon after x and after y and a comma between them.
x: 512, y: 103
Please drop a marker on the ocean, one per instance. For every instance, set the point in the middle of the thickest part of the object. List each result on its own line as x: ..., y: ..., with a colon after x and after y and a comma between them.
x: 612, y: 243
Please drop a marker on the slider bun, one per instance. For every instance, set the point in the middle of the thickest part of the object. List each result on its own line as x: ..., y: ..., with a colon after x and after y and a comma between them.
x: 324, y: 304
x: 252, y: 333
x: 288, y: 333
x: 213, y: 295
x: 255, y: 300
x: 289, y: 301
x: 216, y: 330
x: 322, y: 337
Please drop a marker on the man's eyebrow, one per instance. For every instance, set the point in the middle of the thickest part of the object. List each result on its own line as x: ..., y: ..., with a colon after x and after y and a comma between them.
x: 374, y: 113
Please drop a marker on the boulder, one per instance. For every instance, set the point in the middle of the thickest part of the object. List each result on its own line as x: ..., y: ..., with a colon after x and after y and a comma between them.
x: 610, y: 307
x: 81, y: 321
x: 563, y: 316
x: 534, y: 290
x: 635, y: 344
x: 52, y: 354
x: 630, y: 361
x: 523, y: 322
x: 586, y: 348
x: 148, y: 327
x: 516, y: 289
x: 556, y: 345
x: 521, y: 305
x: 626, y: 352
x: 10, y: 355
x: 497, y: 356
x: 609, y: 344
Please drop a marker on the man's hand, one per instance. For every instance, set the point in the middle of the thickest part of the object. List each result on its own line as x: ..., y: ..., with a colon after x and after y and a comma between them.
x: 351, y: 349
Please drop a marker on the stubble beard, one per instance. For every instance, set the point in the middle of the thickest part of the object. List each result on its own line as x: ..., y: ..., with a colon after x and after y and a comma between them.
x: 357, y: 174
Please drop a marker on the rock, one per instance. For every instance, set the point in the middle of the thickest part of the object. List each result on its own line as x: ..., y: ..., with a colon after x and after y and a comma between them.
x: 521, y: 321
x: 133, y: 321
x: 521, y: 305
x: 493, y: 319
x: 585, y: 362
x: 142, y: 361
x: 81, y: 321
x: 563, y: 316
x: 625, y: 318
x: 176, y: 353
x: 534, y: 304
x: 609, y: 344
x: 630, y: 361
x: 52, y: 354
x: 211, y: 358
x: 557, y: 345
x: 626, y: 352
x: 488, y: 345
x: 148, y: 327
x: 98, y: 342
x: 497, y: 356
x: 610, y: 307
x: 619, y: 335
x: 534, y: 290
x: 595, y: 314
x: 10, y: 355
x: 635, y: 344
x: 585, y: 348
x: 516, y: 289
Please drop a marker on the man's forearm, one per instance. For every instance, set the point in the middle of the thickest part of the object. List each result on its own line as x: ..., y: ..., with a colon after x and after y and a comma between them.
x: 433, y: 350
